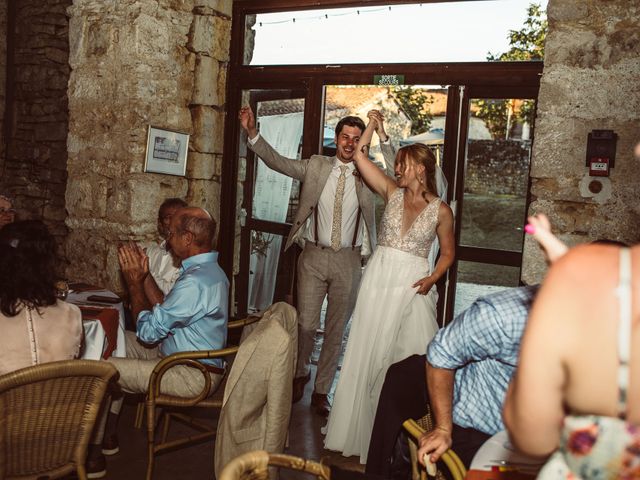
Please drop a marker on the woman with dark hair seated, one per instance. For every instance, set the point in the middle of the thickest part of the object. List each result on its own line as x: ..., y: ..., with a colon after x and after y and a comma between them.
x: 36, y: 327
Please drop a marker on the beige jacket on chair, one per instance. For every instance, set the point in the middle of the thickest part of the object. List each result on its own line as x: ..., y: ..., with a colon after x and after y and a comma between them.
x: 257, y: 398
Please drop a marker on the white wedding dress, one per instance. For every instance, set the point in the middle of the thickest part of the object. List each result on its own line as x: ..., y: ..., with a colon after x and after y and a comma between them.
x: 390, y: 322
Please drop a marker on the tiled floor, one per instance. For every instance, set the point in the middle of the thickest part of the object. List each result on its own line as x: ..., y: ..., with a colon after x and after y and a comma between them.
x: 305, y: 440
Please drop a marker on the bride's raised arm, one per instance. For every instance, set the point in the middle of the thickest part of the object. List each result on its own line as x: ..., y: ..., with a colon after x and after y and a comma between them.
x: 371, y: 173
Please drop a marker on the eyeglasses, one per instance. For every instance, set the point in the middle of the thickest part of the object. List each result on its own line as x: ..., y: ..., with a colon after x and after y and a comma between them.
x: 7, y: 210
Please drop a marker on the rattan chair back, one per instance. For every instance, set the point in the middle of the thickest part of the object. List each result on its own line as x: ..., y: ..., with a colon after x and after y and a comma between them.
x: 47, y: 414
x: 255, y: 466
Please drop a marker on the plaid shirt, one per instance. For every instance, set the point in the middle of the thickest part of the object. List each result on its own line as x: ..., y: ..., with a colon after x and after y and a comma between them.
x: 482, y: 345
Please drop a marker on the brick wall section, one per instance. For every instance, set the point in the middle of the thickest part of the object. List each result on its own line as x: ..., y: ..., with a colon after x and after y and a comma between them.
x: 497, y: 167
x: 36, y: 154
x: 135, y: 63
x: 590, y: 81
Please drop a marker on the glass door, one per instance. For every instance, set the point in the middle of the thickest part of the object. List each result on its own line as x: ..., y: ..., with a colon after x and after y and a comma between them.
x: 267, y: 201
x: 492, y: 184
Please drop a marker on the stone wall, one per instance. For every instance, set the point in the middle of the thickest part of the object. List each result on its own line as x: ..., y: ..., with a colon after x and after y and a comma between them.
x: 34, y: 172
x: 3, y: 80
x: 497, y: 167
x: 590, y: 81
x: 135, y: 63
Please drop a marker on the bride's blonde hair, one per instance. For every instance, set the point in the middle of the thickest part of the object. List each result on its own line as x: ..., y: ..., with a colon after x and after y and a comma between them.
x: 420, y: 154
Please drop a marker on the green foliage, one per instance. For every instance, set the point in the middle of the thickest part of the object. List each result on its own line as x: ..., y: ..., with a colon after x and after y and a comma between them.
x: 415, y: 103
x: 526, y: 44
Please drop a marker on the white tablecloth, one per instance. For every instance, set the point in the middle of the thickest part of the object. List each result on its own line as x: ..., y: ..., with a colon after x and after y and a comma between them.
x: 94, y: 335
x: 499, y: 452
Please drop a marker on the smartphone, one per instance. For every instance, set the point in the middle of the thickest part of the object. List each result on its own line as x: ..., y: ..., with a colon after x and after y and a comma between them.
x: 103, y: 299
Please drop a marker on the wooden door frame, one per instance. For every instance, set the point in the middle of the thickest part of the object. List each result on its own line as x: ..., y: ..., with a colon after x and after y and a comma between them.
x: 493, y: 78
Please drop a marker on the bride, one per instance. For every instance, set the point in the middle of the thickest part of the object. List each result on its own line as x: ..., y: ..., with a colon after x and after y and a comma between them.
x: 395, y: 314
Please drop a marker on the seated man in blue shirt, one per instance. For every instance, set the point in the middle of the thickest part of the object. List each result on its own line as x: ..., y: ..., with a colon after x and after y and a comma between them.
x: 193, y: 315
x: 469, y: 364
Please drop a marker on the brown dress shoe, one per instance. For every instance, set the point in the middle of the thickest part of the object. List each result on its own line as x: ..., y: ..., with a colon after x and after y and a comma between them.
x: 320, y: 403
x: 298, y: 387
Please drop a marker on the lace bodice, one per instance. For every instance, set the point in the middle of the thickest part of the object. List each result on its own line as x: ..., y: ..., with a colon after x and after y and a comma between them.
x: 421, y: 233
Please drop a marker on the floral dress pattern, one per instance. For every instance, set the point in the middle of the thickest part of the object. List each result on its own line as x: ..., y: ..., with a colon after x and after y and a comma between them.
x: 596, y: 447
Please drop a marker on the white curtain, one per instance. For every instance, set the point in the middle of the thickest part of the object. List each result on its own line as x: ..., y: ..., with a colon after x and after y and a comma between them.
x: 270, y: 202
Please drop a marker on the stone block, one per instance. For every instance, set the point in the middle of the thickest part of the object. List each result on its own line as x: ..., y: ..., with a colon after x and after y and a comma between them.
x: 223, y: 7
x: 151, y: 36
x: 98, y: 38
x: 218, y: 166
x: 201, y: 166
x: 206, y: 85
x: 222, y: 84
x: 205, y: 194
x: 210, y: 35
x: 200, y: 34
x: 555, y: 151
x: 87, y: 197
x: 145, y: 198
x: 567, y: 11
x: 221, y: 38
x: 85, y: 249
x: 208, y: 128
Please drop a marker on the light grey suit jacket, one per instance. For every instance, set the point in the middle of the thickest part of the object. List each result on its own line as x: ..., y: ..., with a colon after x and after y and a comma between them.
x: 313, y: 173
x: 256, y: 405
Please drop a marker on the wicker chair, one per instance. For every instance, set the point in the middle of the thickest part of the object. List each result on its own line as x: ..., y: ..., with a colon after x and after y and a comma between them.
x: 47, y: 414
x: 155, y: 399
x: 255, y: 466
x: 449, y: 460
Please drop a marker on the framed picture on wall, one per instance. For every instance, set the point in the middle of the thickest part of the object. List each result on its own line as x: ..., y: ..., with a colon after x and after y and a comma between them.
x: 166, y: 151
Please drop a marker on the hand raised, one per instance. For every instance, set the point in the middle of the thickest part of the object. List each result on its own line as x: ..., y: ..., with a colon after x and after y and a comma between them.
x: 247, y: 119
x: 134, y: 267
x: 540, y: 228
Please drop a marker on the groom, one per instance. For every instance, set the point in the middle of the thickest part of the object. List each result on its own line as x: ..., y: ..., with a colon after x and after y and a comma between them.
x: 334, y: 217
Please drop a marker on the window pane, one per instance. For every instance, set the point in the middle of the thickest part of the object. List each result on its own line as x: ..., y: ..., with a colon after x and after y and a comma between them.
x: 496, y: 173
x: 477, y: 279
x: 263, y: 268
x: 275, y: 196
x: 462, y: 31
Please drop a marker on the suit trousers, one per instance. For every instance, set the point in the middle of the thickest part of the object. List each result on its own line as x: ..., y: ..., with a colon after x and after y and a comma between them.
x: 324, y: 272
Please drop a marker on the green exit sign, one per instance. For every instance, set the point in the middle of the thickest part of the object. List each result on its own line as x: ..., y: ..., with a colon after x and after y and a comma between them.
x: 388, y: 79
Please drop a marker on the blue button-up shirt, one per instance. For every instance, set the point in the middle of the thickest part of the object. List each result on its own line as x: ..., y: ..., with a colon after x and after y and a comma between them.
x: 482, y: 345
x: 194, y: 314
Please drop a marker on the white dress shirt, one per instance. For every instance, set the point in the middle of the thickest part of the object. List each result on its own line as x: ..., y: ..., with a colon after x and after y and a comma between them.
x: 349, y: 209
x: 162, y: 266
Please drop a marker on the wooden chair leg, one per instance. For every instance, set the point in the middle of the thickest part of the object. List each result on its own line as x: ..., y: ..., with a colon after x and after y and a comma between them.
x: 165, y: 426
x: 151, y: 425
x: 139, y: 415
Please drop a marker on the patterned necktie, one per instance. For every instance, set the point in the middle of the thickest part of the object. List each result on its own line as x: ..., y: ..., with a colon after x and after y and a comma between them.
x: 336, y: 227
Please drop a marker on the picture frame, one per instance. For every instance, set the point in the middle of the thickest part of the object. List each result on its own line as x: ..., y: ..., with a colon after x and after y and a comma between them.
x: 166, y: 151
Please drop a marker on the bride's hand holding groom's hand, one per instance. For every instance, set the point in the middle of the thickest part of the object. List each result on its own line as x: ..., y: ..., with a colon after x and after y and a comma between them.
x: 424, y: 285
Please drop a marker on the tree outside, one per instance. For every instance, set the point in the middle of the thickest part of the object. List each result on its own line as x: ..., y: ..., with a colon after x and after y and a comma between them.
x: 415, y: 103
x: 526, y: 44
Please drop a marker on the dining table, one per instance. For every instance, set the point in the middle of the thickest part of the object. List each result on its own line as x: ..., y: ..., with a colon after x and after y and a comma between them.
x: 103, y: 320
x: 498, y: 459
